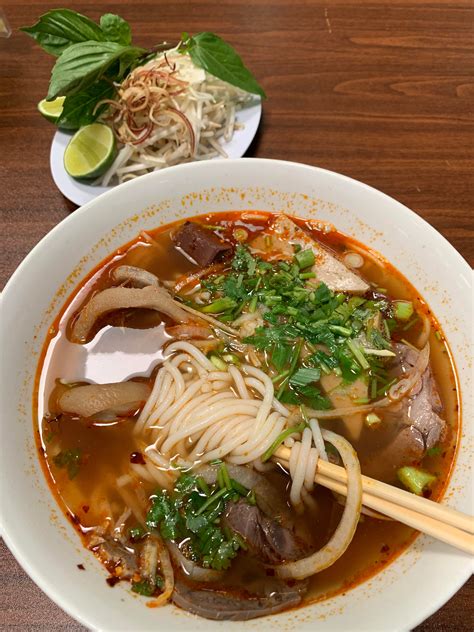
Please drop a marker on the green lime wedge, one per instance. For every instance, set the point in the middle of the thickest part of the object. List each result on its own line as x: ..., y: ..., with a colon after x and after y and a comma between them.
x: 90, y: 152
x: 51, y: 110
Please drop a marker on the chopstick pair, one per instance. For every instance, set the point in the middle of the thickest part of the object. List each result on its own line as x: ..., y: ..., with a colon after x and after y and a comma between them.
x: 443, y: 523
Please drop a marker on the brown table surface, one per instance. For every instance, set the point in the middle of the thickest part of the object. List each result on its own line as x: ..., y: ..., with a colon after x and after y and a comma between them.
x: 376, y: 90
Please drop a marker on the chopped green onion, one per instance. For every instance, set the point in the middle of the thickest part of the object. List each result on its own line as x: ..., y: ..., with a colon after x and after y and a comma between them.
x: 215, y: 462
x: 213, y: 227
x: 253, y: 303
x: 337, y: 329
x: 231, y: 358
x: 305, y: 258
x: 307, y: 275
x: 220, y: 305
x: 218, y: 363
x: 240, y: 234
x: 279, y: 440
x: 373, y: 388
x: 415, y: 479
x: 361, y: 400
x: 403, y: 310
x: 434, y: 451
x: 372, y: 420
x: 357, y: 353
x: 268, y: 241
x: 382, y: 353
x: 438, y: 335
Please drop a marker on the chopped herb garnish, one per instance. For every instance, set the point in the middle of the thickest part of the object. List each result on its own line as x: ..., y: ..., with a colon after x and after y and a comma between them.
x: 307, y: 330
x: 304, y: 258
x: 69, y: 460
x: 136, y: 533
x: 192, y: 512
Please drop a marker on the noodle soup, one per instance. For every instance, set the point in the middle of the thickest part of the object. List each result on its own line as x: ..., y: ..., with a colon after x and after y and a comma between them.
x: 191, y: 385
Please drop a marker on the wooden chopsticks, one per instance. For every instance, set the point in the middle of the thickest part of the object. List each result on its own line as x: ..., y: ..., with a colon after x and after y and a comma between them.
x: 441, y: 522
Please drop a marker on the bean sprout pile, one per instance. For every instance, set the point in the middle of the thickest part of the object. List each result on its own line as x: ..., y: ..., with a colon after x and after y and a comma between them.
x: 168, y: 111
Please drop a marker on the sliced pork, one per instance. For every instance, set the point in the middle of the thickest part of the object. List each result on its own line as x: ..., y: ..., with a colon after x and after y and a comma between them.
x: 327, y: 268
x: 421, y: 426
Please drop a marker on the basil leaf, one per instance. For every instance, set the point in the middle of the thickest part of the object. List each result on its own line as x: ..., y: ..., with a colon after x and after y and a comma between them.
x: 79, y: 109
x: 213, y: 54
x: 82, y: 64
x: 116, y: 29
x: 58, y: 29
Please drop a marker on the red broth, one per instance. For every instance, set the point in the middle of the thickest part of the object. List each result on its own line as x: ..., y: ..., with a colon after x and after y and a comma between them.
x: 108, y: 449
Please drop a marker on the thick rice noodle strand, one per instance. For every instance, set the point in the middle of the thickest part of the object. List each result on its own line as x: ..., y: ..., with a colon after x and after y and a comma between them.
x: 344, y: 532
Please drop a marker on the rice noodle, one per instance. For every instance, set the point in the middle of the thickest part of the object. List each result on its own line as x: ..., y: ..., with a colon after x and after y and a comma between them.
x: 344, y: 532
x: 230, y: 414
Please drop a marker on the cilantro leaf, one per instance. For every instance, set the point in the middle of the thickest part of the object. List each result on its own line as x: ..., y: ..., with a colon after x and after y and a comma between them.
x: 69, y: 460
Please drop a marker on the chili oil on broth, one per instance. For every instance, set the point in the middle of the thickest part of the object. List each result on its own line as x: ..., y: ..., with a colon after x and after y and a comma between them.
x: 109, y: 448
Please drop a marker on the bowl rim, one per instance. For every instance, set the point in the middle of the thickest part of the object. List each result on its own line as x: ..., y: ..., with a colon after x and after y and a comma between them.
x: 40, y: 577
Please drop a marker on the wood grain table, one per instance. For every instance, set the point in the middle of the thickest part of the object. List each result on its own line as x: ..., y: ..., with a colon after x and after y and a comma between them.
x: 381, y: 91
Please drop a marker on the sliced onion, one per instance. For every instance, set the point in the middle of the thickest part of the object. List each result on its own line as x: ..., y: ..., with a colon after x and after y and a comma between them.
x: 344, y: 533
x: 149, y: 558
x: 210, y: 319
x: 425, y: 333
x: 191, y: 569
x: 403, y: 387
x: 398, y: 391
x: 167, y: 572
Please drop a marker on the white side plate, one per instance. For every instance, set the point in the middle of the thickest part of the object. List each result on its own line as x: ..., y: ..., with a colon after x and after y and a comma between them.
x: 81, y: 193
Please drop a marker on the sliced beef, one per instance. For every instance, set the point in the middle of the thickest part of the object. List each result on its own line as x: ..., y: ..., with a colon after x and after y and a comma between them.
x: 424, y: 402
x: 418, y: 425
x: 266, y: 539
x: 200, y: 244
x: 230, y: 606
x: 327, y: 268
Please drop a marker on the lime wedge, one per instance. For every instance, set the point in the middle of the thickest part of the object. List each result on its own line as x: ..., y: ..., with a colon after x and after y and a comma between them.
x: 51, y: 110
x: 90, y: 152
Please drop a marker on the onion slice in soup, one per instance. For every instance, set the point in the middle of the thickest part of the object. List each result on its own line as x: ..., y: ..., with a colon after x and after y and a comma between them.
x: 342, y: 537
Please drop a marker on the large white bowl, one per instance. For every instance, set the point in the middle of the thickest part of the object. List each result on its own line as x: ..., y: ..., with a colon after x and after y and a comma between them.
x: 418, y: 582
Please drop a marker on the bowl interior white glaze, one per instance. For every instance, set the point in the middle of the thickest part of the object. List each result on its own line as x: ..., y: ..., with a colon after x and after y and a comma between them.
x: 412, y: 587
